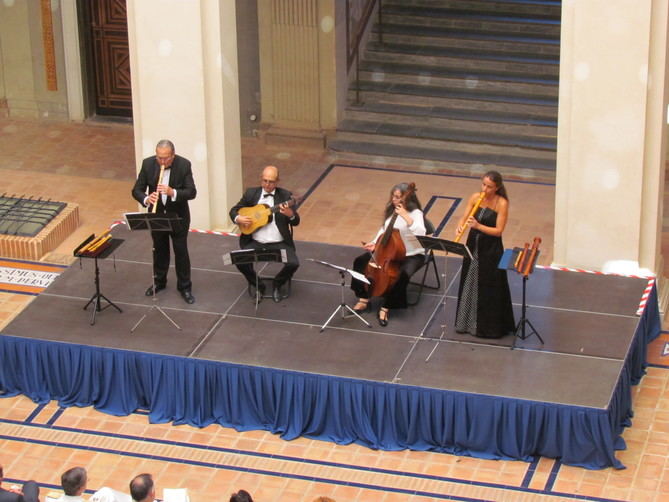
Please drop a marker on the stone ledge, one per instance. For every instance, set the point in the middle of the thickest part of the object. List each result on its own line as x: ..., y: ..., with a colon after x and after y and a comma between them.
x: 48, y: 239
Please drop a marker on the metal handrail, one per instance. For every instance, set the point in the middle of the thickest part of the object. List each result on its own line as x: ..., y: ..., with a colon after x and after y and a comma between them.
x: 353, y: 50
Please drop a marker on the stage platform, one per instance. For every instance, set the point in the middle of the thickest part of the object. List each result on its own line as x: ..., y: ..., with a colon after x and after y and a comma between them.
x: 413, y: 384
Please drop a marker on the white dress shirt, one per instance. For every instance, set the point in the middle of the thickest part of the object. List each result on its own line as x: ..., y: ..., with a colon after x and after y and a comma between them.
x: 408, y: 233
x: 270, y: 232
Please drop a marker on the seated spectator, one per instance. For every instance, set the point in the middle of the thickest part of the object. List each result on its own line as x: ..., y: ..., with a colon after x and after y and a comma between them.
x: 142, y: 488
x: 241, y: 496
x: 29, y: 492
x: 73, y: 481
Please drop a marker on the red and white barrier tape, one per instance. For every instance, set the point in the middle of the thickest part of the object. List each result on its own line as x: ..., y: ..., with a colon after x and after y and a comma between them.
x: 642, y: 303
x: 644, y: 296
x: 211, y: 232
x: 581, y: 270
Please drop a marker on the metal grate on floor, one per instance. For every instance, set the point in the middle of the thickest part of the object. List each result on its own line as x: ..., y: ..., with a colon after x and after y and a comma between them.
x: 26, y: 217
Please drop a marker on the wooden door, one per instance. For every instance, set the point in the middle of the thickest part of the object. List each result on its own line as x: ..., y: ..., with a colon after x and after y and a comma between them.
x: 110, y: 58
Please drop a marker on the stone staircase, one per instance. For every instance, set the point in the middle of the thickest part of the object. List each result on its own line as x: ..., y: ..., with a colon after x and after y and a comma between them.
x: 459, y: 84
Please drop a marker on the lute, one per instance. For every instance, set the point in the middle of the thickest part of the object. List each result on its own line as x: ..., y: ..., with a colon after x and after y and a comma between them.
x: 261, y: 214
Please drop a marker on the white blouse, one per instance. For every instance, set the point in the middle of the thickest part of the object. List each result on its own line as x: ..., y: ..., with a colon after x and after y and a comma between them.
x: 408, y: 233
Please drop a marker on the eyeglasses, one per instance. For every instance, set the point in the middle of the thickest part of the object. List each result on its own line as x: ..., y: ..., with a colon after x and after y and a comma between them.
x: 269, y: 182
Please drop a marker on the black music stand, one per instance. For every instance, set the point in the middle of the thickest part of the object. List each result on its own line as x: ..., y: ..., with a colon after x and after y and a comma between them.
x: 343, y: 307
x: 155, y: 222
x: 436, y: 244
x: 253, y: 256
x: 97, y: 297
x: 508, y: 262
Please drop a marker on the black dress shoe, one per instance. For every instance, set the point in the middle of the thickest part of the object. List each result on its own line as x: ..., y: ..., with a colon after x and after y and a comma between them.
x: 252, y: 289
x: 149, y: 290
x: 187, y: 296
x: 276, y: 293
x: 383, y: 316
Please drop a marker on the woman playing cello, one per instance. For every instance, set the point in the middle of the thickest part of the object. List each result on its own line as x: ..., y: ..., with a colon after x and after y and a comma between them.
x: 484, y: 301
x: 404, y: 212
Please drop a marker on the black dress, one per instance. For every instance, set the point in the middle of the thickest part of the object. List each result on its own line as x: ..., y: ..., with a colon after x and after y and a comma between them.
x: 484, y: 300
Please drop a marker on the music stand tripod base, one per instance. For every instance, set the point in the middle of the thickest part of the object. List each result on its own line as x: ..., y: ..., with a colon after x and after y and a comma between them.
x: 507, y: 262
x: 97, y: 297
x: 446, y: 246
x: 155, y: 222
x: 343, y: 307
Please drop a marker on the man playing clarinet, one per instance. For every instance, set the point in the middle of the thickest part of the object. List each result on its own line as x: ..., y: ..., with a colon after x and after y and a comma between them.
x: 165, y: 185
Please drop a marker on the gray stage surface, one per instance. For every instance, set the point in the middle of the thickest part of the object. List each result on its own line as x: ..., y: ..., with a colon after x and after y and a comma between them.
x: 586, y: 321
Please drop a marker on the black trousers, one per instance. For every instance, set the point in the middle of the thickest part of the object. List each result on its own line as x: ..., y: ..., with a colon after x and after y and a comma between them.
x: 396, y: 296
x: 161, y: 257
x: 30, y: 491
x: 289, y: 268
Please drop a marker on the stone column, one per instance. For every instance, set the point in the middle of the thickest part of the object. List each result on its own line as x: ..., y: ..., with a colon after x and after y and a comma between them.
x: 31, y: 60
x: 183, y: 58
x: 612, y: 130
x: 303, y: 66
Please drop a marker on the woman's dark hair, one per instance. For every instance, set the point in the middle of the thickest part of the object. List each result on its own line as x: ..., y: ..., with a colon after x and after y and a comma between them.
x: 496, y: 178
x: 411, y: 202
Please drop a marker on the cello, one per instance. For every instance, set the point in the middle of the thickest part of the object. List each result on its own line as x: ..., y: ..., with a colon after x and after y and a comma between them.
x: 383, y: 268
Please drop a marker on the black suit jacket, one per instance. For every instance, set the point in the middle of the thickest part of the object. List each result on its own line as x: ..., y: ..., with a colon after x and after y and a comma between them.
x: 284, y: 224
x: 7, y: 496
x: 181, y: 179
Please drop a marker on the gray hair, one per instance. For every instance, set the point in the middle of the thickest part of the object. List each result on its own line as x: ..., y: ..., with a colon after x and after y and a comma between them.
x: 163, y: 143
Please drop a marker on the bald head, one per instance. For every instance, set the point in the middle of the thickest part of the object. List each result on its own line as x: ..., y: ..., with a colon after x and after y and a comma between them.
x: 269, y: 178
x: 271, y: 172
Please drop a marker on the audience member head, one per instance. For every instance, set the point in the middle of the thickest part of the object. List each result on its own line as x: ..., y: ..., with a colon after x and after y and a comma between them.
x: 1, y: 474
x: 323, y: 499
x: 241, y: 496
x: 142, y: 489
x: 73, y: 481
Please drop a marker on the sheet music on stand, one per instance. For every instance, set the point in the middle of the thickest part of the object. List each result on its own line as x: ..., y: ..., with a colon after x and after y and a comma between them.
x: 246, y: 256
x: 253, y: 256
x: 155, y: 222
x: 444, y: 245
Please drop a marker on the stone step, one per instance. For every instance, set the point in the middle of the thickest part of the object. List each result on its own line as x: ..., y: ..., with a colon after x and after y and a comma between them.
x: 455, y: 145
x: 471, y: 39
x: 453, y: 72
x: 454, y: 98
x: 456, y: 83
x: 493, y: 54
x: 461, y: 59
x: 551, y: 8
x: 453, y: 134
x: 417, y: 164
x: 462, y: 160
x: 416, y: 117
x: 419, y: 79
x: 455, y: 104
x: 541, y: 25
x: 506, y: 116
